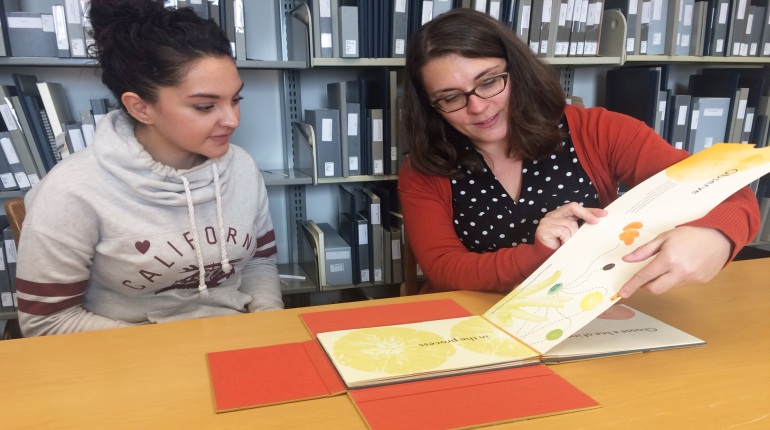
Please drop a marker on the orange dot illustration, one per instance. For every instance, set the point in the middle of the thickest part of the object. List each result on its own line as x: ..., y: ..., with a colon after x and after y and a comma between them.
x: 633, y: 226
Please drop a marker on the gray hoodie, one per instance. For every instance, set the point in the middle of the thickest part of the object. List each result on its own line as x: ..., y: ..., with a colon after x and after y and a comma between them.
x: 114, y: 238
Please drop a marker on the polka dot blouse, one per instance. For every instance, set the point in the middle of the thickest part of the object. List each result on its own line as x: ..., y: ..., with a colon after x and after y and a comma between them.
x: 486, y: 218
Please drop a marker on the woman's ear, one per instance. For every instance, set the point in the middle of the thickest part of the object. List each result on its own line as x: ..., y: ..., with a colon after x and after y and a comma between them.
x: 137, y: 107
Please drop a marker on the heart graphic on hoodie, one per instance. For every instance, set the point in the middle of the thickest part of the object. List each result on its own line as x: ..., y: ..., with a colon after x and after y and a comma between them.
x: 142, y: 246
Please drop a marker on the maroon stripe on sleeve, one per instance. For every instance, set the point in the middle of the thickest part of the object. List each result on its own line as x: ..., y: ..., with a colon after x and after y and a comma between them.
x: 50, y: 290
x: 267, y: 238
x: 265, y: 252
x: 44, y: 309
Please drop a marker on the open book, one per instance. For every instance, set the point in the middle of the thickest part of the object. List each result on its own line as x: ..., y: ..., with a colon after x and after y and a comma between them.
x: 567, y: 292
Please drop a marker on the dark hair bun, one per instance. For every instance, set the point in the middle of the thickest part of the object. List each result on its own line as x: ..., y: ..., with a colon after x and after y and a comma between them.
x: 111, y: 18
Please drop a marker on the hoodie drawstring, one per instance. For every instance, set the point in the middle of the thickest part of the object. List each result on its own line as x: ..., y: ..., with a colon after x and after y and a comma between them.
x: 226, y: 266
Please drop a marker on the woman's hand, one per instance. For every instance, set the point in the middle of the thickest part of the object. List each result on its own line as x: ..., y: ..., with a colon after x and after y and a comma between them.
x: 559, y: 225
x: 683, y: 254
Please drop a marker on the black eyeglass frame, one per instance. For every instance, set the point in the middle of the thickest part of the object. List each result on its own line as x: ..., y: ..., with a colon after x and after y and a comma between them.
x: 472, y: 92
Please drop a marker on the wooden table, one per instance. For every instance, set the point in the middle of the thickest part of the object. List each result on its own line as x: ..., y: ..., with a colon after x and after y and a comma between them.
x: 156, y: 376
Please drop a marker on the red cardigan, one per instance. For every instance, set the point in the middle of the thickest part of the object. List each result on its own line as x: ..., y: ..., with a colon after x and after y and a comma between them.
x: 611, y: 148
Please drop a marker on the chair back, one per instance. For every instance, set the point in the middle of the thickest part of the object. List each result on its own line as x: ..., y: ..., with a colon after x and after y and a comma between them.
x: 14, y: 210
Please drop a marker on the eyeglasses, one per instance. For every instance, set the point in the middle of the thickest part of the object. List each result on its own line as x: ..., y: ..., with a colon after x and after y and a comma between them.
x: 489, y: 88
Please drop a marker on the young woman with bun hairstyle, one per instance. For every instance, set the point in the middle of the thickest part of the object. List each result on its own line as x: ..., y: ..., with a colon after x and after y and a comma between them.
x: 162, y: 218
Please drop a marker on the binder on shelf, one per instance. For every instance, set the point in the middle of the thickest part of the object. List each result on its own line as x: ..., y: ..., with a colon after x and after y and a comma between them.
x: 258, y: 30
x: 630, y: 10
x: 721, y: 22
x: 374, y: 215
x: 343, y: 96
x: 679, y: 120
x: 563, y: 27
x: 5, y: 41
x: 657, y: 36
x: 634, y: 91
x: 376, y: 144
x: 60, y: 30
x: 748, y: 125
x: 578, y: 33
x: 239, y: 30
x: 535, y: 24
x: 593, y: 27
x: 227, y: 23
x: 32, y: 34
x: 493, y: 9
x: 321, y: 27
x: 708, y: 124
x: 645, y: 17
x: 549, y: 27
x: 7, y: 177
x: 522, y: 20
x: 42, y: 159
x: 14, y: 164
x: 755, y: 25
x: 764, y: 43
x: 304, y: 145
x: 87, y: 126
x: 736, y: 28
x: 75, y: 31
x: 6, y: 294
x: 74, y: 137
x: 326, y: 124
x: 700, y: 23
x: 348, y: 30
x: 308, y: 251
x: 7, y: 290
x: 99, y: 109
x: 353, y: 213
x: 27, y: 155
x: 336, y: 258
x: 10, y: 261
x: 31, y: 105
x: 57, y: 108
x: 376, y: 99
x: 679, y: 27
x: 399, y: 19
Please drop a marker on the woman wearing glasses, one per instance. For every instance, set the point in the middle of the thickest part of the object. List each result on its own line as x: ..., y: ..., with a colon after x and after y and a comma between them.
x: 501, y: 170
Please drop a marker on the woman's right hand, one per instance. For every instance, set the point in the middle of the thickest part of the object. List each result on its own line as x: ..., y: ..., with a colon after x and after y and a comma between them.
x: 558, y: 226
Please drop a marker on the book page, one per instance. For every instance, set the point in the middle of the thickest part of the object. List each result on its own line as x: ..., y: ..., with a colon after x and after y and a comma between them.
x: 376, y: 355
x: 620, y: 329
x: 581, y: 279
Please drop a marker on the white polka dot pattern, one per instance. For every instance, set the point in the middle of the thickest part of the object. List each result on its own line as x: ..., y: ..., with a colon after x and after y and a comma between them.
x: 487, y: 219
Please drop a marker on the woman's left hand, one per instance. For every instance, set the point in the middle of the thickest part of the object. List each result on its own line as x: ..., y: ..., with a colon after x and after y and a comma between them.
x: 683, y: 254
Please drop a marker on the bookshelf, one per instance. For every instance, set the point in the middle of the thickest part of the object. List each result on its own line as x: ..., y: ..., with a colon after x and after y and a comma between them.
x: 278, y: 90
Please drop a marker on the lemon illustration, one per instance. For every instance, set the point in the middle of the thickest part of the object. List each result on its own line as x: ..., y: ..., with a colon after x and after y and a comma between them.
x: 478, y: 335
x: 392, y: 350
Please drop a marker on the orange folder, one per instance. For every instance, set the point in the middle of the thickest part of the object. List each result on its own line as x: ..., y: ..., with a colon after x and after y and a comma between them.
x: 273, y: 374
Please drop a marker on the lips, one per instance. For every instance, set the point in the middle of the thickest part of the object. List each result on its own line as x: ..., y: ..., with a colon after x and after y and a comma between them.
x: 222, y: 138
x: 489, y: 122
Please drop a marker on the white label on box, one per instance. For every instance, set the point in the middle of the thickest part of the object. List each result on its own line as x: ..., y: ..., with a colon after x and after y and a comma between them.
x: 352, y: 124
x: 326, y: 129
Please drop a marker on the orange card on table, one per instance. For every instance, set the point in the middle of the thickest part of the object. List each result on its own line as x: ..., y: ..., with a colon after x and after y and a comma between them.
x: 382, y: 315
x: 470, y: 400
x: 261, y: 376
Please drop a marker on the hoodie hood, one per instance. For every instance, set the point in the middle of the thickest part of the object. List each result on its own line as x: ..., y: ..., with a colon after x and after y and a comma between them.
x: 117, y: 150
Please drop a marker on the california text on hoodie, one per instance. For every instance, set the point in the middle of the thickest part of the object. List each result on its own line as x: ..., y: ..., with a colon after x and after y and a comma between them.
x: 113, y: 238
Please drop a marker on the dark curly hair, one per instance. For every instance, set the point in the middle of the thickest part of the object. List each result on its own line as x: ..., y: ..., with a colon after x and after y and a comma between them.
x: 142, y: 46
x: 535, y: 106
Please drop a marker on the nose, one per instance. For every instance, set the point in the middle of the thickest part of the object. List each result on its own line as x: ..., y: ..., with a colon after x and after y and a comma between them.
x: 231, y: 117
x: 476, y: 103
